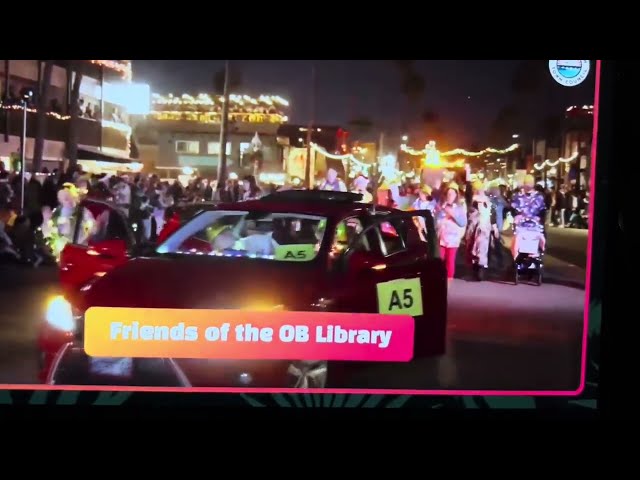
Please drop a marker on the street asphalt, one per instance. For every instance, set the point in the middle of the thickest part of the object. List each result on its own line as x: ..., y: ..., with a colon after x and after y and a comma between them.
x: 501, y: 335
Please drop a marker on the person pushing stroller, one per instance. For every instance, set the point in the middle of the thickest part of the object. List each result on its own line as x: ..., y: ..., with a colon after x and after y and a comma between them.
x: 529, y: 239
x: 528, y: 204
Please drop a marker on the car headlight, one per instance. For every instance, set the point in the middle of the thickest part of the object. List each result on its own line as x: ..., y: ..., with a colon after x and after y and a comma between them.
x: 60, y: 315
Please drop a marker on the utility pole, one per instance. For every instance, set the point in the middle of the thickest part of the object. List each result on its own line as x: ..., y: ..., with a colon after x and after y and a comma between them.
x: 375, y: 169
x: 23, y: 151
x: 222, y: 164
x: 308, y: 174
x: 7, y: 78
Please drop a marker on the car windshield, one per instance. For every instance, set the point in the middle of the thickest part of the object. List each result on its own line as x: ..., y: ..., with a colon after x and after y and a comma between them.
x: 292, y: 237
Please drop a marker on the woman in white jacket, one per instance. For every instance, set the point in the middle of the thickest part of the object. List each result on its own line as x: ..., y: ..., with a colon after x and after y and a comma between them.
x: 451, y: 220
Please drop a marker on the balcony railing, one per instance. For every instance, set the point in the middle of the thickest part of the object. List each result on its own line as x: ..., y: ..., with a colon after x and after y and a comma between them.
x: 90, y: 132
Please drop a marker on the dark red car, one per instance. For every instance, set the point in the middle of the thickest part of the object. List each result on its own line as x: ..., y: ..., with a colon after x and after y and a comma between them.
x: 228, y: 258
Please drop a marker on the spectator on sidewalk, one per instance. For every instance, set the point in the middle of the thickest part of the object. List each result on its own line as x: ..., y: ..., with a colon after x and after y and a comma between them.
x: 560, y: 207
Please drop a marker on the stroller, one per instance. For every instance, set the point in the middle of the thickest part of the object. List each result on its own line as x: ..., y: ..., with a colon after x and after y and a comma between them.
x: 528, y: 251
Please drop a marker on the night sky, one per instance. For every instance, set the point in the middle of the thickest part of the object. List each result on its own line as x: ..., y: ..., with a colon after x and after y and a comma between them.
x: 465, y: 94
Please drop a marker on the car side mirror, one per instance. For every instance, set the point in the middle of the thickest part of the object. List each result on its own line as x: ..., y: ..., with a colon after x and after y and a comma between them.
x: 109, y: 248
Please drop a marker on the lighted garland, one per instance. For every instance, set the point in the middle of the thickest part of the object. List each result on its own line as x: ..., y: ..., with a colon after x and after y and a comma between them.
x: 460, y: 151
x: 466, y: 153
x: 357, y: 166
x: 123, y: 127
x: 123, y: 68
x: 347, y: 156
x: 549, y: 163
x: 209, y: 100
x: 33, y: 110
x: 216, y: 117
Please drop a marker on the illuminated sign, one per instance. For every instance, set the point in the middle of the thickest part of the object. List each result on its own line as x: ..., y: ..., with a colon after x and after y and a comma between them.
x: 135, y: 98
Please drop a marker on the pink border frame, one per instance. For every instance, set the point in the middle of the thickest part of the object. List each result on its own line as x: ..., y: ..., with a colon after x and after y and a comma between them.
x: 505, y: 393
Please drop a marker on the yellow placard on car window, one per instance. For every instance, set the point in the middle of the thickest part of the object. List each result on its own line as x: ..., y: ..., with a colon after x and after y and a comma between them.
x: 295, y: 253
x: 400, y: 297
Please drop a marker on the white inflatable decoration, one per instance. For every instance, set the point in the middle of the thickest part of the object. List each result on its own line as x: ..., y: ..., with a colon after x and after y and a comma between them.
x: 390, y: 177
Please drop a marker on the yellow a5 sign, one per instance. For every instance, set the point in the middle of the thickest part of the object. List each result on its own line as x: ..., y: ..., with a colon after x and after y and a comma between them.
x: 400, y: 297
x: 295, y: 253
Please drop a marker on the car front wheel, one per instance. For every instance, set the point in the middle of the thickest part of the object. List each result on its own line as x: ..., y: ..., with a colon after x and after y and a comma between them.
x: 307, y: 374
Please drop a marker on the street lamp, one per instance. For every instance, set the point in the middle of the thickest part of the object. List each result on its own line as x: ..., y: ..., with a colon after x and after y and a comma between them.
x: 515, y: 135
x: 25, y: 99
x: 405, y: 138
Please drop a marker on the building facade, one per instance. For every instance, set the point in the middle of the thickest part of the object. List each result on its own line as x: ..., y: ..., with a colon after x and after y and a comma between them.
x: 184, y: 132
x: 103, y: 130
x: 577, y: 139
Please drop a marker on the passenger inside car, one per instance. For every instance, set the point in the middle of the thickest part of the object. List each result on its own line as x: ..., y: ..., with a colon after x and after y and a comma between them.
x: 346, y: 232
x: 255, y: 233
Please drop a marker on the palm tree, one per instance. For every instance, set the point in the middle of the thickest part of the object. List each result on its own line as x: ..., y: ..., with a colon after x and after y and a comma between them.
x: 412, y: 84
x: 74, y: 113
x: 41, y: 118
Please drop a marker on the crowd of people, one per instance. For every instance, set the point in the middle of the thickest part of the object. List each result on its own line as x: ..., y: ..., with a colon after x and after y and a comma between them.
x: 36, y: 232
x: 475, y: 216
x: 469, y: 214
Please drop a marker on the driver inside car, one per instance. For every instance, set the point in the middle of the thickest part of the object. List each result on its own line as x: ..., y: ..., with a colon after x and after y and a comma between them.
x: 345, y: 233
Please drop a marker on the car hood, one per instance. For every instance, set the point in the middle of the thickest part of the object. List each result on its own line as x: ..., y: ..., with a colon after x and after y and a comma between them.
x: 206, y: 282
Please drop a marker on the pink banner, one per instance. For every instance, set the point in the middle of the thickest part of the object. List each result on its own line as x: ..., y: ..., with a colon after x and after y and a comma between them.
x: 238, y: 334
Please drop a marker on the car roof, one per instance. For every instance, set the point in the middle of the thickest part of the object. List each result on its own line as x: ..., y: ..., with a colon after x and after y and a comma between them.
x: 311, y: 202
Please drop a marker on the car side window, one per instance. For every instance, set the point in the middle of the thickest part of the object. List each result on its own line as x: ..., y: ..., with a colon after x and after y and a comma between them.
x: 108, y: 225
x: 346, y: 231
x: 116, y: 228
x: 393, y: 234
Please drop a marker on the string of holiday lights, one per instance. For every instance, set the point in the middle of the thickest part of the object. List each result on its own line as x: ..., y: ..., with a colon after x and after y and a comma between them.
x: 124, y: 68
x: 33, y: 110
x: 588, y: 108
x: 206, y: 99
x: 216, y: 117
x: 549, y: 163
x: 466, y: 153
x: 459, y: 151
x: 123, y: 127
x: 356, y: 166
x: 347, y: 156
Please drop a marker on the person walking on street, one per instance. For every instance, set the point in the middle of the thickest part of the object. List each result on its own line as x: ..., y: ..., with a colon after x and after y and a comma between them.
x: 451, y: 220
x: 479, y: 230
x: 528, y: 204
